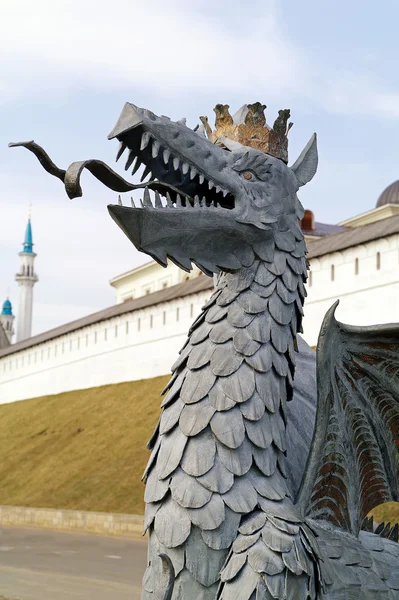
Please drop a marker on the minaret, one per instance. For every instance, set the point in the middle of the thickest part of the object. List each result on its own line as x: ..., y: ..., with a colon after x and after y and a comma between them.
x: 26, y: 279
x: 7, y: 319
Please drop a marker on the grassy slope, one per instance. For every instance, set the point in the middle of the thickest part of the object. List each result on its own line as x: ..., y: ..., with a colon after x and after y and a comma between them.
x: 86, y: 450
x: 387, y: 512
x: 82, y: 450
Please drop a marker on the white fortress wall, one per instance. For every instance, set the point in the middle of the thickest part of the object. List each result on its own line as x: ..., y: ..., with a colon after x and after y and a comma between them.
x: 144, y: 343
x: 136, y: 345
x: 364, y: 278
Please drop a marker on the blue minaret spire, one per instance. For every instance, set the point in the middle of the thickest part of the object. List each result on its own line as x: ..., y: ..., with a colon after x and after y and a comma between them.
x: 28, y: 241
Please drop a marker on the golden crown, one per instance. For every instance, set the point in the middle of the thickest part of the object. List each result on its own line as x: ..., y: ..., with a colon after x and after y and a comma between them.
x: 248, y: 127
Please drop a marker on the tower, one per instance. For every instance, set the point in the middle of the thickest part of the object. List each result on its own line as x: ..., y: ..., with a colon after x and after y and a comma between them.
x: 7, y: 319
x: 26, y: 279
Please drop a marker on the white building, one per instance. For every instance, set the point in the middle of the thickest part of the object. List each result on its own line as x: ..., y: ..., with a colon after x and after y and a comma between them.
x: 147, y: 279
x: 360, y: 267
x: 356, y: 261
x: 26, y: 279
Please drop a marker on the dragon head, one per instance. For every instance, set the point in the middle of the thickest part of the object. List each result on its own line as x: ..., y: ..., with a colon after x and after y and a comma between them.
x: 218, y: 197
x: 224, y: 200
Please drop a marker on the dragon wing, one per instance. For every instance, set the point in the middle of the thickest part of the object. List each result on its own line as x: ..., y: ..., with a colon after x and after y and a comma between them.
x: 353, y: 464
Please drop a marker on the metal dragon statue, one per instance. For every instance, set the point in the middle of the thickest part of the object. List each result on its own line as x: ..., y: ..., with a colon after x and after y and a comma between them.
x: 241, y: 502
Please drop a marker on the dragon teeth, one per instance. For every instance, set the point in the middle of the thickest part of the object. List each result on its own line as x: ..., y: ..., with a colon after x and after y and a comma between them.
x: 210, y: 184
x: 145, y: 140
x: 176, y: 163
x: 120, y: 201
x: 166, y: 155
x: 136, y: 166
x: 193, y: 172
x: 201, y: 178
x: 196, y: 201
x: 158, y: 203
x: 218, y: 189
x: 225, y: 192
x: 155, y: 148
x: 178, y: 201
x: 185, y: 168
x: 147, y: 171
x: 147, y: 198
x: 130, y: 160
x: 169, y: 200
x: 121, y: 149
x: 132, y: 202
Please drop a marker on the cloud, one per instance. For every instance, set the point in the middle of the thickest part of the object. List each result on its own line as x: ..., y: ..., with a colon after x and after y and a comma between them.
x: 385, y: 104
x: 165, y: 47
x: 355, y: 93
x: 175, y: 48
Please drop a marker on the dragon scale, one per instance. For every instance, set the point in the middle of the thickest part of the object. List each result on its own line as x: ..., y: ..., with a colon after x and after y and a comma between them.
x: 220, y: 449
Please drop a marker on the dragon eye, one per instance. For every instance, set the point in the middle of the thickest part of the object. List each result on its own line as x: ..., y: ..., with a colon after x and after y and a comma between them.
x: 248, y: 175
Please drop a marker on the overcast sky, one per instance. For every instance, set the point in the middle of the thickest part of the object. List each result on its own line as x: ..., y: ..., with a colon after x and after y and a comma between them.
x: 67, y: 67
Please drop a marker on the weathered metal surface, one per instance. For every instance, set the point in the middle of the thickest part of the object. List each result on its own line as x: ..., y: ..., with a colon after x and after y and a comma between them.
x: 248, y: 127
x: 230, y: 451
x: 354, y: 464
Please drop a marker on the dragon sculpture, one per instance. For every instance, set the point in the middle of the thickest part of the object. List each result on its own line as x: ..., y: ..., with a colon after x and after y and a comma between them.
x: 242, y: 503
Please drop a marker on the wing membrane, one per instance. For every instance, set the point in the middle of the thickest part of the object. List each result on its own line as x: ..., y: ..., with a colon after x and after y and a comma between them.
x: 353, y: 464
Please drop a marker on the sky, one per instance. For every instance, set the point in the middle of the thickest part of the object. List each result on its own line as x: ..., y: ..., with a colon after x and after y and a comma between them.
x: 68, y: 67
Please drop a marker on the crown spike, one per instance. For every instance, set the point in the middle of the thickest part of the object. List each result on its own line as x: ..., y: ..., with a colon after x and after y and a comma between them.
x: 255, y: 116
x: 280, y: 124
x: 207, y: 127
x: 223, y: 117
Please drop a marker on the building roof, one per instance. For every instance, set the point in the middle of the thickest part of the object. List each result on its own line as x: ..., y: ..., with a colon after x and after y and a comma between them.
x: 390, y: 195
x: 192, y: 286
x: 28, y: 241
x: 371, y: 216
x: 322, y: 229
x: 7, y: 308
x: 353, y: 237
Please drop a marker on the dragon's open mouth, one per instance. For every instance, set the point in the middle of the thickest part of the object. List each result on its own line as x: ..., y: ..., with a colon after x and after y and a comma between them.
x: 172, y: 177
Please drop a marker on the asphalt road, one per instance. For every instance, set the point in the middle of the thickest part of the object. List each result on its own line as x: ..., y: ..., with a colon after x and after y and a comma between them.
x: 48, y: 565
